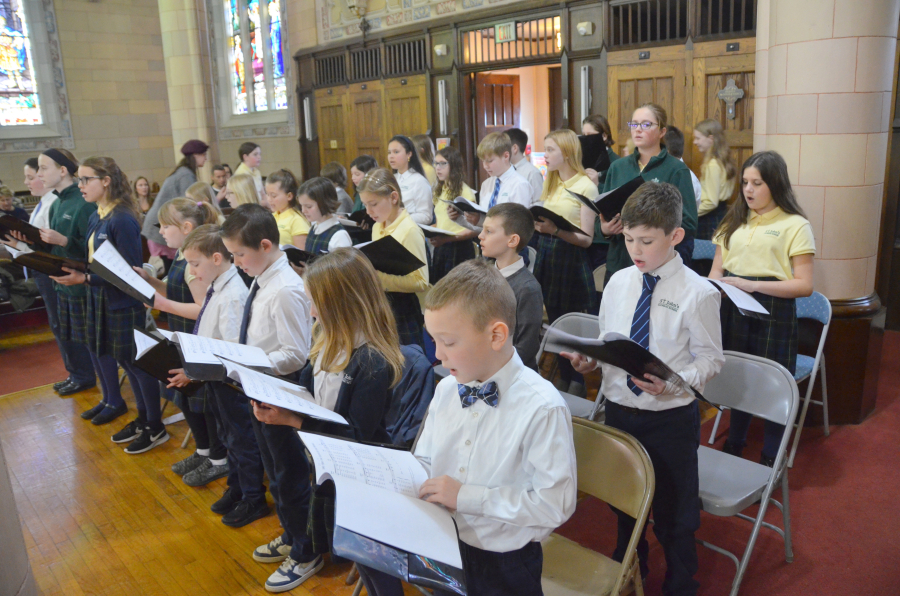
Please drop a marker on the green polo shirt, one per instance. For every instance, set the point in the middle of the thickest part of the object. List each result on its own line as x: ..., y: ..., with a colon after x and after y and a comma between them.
x: 661, y: 168
x: 69, y: 216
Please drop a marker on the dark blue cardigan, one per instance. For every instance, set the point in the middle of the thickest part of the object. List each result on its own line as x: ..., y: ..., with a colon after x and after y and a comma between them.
x: 122, y: 229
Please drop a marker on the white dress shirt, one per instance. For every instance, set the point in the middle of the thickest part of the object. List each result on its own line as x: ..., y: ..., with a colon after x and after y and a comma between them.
x: 40, y: 217
x: 510, y: 269
x: 685, y: 330
x: 527, y: 170
x: 513, y: 189
x: 516, y: 461
x: 222, y: 316
x: 417, y: 196
x: 339, y: 239
x: 280, y: 322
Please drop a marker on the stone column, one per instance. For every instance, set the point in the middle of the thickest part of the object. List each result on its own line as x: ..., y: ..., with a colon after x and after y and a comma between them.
x: 16, y: 579
x: 824, y: 81
x: 183, y: 25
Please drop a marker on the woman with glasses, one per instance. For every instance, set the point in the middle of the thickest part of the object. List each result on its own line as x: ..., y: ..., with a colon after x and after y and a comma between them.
x: 450, y: 251
x: 651, y: 161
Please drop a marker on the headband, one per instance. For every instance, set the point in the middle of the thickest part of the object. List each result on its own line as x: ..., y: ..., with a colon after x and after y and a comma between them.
x: 60, y: 159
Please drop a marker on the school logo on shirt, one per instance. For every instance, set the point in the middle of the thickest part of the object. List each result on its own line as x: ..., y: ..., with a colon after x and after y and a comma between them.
x: 67, y: 216
x: 101, y: 236
x: 668, y: 304
x: 347, y: 379
x: 655, y: 180
x: 775, y: 233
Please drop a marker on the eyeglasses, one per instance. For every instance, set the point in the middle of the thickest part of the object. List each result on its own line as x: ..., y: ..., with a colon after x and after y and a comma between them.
x: 441, y: 164
x: 642, y: 125
x: 83, y: 181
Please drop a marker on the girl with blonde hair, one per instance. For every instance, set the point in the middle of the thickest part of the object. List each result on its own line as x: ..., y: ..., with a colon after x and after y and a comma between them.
x: 718, y: 176
x: 241, y: 190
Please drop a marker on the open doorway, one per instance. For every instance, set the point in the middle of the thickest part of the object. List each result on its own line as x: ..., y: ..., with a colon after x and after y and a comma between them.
x: 529, y: 98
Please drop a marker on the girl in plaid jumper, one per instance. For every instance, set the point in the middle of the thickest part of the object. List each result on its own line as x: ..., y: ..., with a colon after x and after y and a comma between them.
x: 765, y: 246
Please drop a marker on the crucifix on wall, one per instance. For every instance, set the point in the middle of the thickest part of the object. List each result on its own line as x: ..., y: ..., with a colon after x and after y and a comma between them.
x: 730, y: 95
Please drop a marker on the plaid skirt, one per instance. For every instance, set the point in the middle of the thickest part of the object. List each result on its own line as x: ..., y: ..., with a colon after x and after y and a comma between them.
x: 565, y: 274
x: 72, y: 317
x: 408, y: 313
x: 775, y: 339
x: 111, y: 332
x: 448, y: 256
x: 320, y: 523
x: 197, y: 403
x: 709, y: 223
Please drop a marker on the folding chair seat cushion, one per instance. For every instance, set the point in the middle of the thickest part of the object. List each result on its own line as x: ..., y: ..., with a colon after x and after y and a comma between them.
x: 570, y: 569
x: 578, y: 406
x: 729, y: 484
x: 804, y: 367
x: 704, y: 250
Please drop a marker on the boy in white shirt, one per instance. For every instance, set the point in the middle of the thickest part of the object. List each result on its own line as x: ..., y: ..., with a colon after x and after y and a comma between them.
x: 526, y: 169
x: 497, y: 440
x: 673, y: 312
x: 277, y: 319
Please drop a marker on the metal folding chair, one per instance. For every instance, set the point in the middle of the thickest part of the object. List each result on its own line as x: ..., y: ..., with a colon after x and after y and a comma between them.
x: 615, y: 468
x: 730, y: 484
x: 582, y: 325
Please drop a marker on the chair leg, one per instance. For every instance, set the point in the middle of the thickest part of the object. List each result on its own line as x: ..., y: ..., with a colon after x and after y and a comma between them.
x: 715, y: 428
x: 786, y: 518
x: 358, y: 589
x: 802, y: 420
x: 745, y: 559
x: 187, y: 437
x: 353, y: 575
x: 638, y: 582
x: 824, y: 397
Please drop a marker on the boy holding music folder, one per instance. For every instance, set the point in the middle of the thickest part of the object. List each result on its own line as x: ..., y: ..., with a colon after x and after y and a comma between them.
x: 497, y: 441
x: 671, y: 311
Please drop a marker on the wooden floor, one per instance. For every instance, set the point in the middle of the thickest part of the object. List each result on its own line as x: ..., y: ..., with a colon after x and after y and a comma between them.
x: 98, y: 521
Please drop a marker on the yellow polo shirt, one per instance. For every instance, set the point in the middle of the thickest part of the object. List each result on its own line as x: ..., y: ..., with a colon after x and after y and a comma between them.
x: 563, y: 203
x: 410, y: 235
x: 290, y: 223
x: 716, y: 186
x: 763, y: 246
x: 442, y: 210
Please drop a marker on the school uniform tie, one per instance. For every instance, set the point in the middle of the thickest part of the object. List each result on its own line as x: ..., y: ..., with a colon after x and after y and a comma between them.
x: 245, y: 321
x: 487, y: 393
x: 494, y: 194
x: 209, y: 294
x: 640, y: 324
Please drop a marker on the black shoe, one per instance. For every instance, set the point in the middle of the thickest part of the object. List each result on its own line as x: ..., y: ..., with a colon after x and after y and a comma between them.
x: 147, y: 440
x: 109, y: 414
x: 245, y: 512
x: 188, y: 464
x: 89, y: 414
x: 769, y: 462
x: 731, y: 449
x: 225, y: 504
x: 72, y: 387
x: 56, y: 386
x: 131, y: 431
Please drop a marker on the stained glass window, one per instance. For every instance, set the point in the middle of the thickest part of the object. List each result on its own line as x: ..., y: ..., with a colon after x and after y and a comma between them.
x: 19, y: 102
x: 255, y: 56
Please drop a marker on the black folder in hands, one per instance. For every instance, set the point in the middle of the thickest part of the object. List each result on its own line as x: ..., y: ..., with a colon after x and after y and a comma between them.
x: 433, y: 232
x: 389, y: 256
x: 297, y: 256
x: 46, y: 263
x: 593, y: 152
x: 561, y: 222
x: 10, y: 223
x: 359, y: 218
x: 610, y: 203
x: 466, y: 206
x: 156, y: 356
x: 110, y: 265
x: 622, y: 352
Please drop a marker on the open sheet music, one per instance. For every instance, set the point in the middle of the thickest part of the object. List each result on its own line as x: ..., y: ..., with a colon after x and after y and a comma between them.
x: 746, y: 304
x: 433, y: 232
x: 276, y: 392
x: 466, y: 206
x: 156, y: 356
x: 110, y: 265
x: 372, y: 479
x: 205, y: 350
x: 622, y: 352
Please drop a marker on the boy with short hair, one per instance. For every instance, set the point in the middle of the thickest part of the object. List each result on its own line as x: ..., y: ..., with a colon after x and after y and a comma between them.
x: 497, y: 440
x: 519, y: 144
x: 506, y: 231
x: 673, y: 312
x: 505, y: 185
x: 277, y: 319
x: 674, y: 141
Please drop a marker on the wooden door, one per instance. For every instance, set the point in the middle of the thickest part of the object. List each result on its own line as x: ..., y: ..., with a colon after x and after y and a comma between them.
x: 712, y: 69
x: 497, y: 108
x: 632, y: 82
x: 331, y: 111
x: 366, y: 116
x: 555, y: 88
x: 405, y: 109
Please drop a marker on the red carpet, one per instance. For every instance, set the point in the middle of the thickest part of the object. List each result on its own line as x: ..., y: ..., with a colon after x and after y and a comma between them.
x: 844, y: 491
x: 30, y: 366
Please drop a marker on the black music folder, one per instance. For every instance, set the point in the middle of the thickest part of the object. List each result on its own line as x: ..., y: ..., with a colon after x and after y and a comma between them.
x: 389, y: 256
x: 561, y: 222
x: 433, y: 232
x: 297, y: 256
x: 466, y: 206
x: 593, y: 152
x: 156, y: 356
x: 610, y: 203
x: 47, y: 264
x: 9, y: 223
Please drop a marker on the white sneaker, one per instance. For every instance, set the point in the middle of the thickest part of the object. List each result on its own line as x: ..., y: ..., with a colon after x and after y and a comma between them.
x: 291, y: 574
x: 273, y: 552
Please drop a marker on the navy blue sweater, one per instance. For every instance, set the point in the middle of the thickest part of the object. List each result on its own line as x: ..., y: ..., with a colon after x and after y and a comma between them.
x: 122, y: 229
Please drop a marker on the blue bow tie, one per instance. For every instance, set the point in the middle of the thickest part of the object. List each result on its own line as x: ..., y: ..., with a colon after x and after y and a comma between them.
x: 487, y: 393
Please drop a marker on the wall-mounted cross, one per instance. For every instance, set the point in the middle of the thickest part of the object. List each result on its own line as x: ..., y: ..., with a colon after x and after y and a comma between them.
x: 730, y: 95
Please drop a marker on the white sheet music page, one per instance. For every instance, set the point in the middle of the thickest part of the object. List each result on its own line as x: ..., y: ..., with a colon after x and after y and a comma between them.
x: 143, y: 343
x: 205, y: 350
x: 270, y: 390
x: 109, y: 257
x: 390, y: 469
x: 740, y: 298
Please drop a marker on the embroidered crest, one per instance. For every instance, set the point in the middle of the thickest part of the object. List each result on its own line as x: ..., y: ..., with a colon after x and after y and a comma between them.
x: 669, y: 304
x: 775, y: 233
x: 67, y: 216
x: 655, y: 180
x: 347, y: 379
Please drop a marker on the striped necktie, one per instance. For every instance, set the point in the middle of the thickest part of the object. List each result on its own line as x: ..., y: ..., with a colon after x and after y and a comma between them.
x: 245, y: 321
x: 494, y: 194
x: 209, y: 294
x: 640, y: 324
